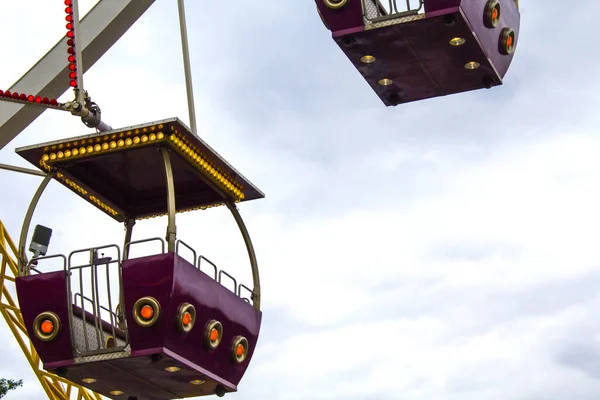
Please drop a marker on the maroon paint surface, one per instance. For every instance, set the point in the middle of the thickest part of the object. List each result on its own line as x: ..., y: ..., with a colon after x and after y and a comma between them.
x: 436, y: 5
x: 143, y: 378
x: 489, y: 38
x: 46, y: 292
x: 171, y: 280
x: 212, y: 301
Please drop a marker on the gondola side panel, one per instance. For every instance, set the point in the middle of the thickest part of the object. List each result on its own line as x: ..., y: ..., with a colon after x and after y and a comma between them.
x: 490, y: 37
x: 41, y: 293
x: 212, y: 301
x: 150, y: 276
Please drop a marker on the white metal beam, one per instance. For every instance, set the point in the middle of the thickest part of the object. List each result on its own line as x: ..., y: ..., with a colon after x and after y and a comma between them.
x: 102, y: 27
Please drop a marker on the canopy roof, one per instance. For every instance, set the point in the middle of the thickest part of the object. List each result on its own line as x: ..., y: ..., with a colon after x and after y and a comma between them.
x: 122, y: 171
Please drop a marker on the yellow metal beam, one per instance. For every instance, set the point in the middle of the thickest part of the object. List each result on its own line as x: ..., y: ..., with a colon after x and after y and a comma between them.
x: 56, y: 388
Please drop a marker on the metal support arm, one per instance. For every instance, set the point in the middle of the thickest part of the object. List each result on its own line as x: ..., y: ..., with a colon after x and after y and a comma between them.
x: 22, y: 256
x: 171, y: 227
x: 251, y: 254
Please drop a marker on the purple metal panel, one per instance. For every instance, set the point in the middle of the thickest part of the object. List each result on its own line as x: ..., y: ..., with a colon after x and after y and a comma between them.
x: 414, y: 52
x: 489, y: 38
x: 40, y: 293
x: 417, y: 57
x: 346, y: 17
x: 143, y: 378
x: 148, y: 276
x: 446, y: 63
x: 212, y: 301
x: 436, y: 5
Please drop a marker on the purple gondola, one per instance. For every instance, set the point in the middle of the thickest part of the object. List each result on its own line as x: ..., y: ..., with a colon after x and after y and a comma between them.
x: 158, y: 326
x: 430, y: 48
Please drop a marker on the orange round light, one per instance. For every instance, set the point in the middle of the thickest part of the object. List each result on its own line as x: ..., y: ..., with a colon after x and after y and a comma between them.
x: 213, y: 334
x: 187, y: 318
x: 239, y: 350
x: 147, y: 312
x: 507, y: 41
x: 47, y: 327
x: 491, y: 14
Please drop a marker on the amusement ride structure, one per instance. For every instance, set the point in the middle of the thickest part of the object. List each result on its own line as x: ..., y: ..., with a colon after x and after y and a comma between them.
x: 162, y: 325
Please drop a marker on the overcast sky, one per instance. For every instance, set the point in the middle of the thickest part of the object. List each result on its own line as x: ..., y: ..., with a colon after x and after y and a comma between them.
x: 444, y: 249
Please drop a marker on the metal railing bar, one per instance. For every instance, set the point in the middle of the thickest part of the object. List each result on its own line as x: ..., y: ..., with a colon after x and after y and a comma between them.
x: 187, y: 246
x: 162, y: 243
x: 208, y: 261
x: 222, y: 272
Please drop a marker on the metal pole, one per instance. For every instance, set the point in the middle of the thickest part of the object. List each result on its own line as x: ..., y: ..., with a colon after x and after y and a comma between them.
x: 128, y: 232
x: 186, y: 66
x: 171, y: 227
x: 27, y: 221
x: 251, y: 254
x: 22, y: 170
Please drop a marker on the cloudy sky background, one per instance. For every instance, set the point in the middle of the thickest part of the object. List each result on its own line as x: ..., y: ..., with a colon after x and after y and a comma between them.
x: 445, y: 249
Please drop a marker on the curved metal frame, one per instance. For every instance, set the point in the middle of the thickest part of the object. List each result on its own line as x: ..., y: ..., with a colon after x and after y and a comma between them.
x: 27, y: 221
x: 171, y: 237
x: 251, y: 254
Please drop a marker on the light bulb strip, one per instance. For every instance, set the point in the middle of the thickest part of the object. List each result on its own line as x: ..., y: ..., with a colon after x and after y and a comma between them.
x: 184, y: 210
x: 72, y: 57
x: 198, y: 160
x: 86, y: 148
x: 82, y: 192
x: 23, y: 98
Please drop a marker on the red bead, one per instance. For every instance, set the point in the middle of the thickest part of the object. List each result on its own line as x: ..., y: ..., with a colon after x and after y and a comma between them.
x: 15, y: 95
x: 73, y: 83
x: 69, y: 18
x: 30, y: 98
x: 73, y: 67
x: 45, y: 100
x: 69, y: 10
x: 70, y: 34
x: 38, y: 99
x: 71, y: 50
x: 70, y: 42
x: 73, y: 75
x: 22, y: 96
x: 70, y: 26
x: 68, y: 3
x: 54, y: 102
x: 71, y: 58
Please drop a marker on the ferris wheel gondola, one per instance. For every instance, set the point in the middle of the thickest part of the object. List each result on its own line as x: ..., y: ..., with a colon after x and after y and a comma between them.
x: 176, y: 331
x: 427, y: 49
